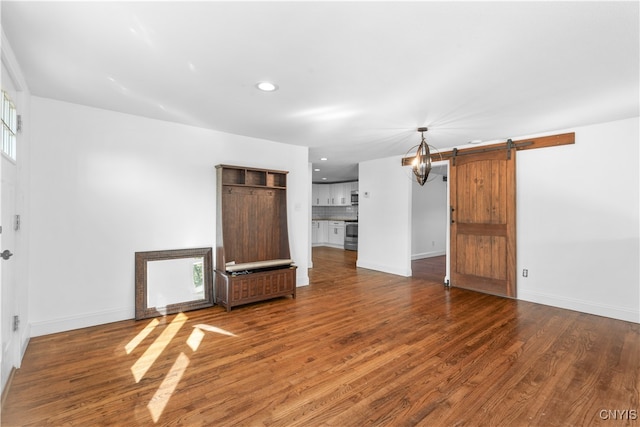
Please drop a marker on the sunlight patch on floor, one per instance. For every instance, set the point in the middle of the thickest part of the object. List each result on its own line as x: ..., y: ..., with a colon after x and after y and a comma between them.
x: 165, y: 391
x: 215, y: 329
x: 142, y: 365
x: 141, y: 336
x: 195, y: 338
x: 163, y: 394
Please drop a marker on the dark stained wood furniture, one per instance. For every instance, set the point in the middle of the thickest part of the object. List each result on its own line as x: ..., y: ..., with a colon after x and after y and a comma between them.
x: 252, y: 241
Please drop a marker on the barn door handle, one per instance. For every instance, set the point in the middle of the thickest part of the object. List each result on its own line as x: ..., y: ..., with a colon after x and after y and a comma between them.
x: 451, y: 215
x: 6, y: 254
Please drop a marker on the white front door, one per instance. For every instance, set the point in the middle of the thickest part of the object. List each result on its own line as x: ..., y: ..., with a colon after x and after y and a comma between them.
x: 10, y: 350
x: 10, y: 339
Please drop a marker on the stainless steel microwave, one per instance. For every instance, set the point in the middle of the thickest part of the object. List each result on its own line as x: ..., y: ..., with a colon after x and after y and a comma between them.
x: 354, y: 197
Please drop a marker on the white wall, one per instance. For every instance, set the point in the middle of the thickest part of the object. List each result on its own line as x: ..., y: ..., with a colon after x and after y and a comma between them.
x: 105, y: 185
x: 429, y: 218
x: 578, y: 221
x: 384, y: 223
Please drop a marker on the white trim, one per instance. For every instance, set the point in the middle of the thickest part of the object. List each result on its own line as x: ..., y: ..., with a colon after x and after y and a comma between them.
x: 302, y: 278
x: 26, y: 338
x: 428, y: 255
x: 11, y: 64
x: 8, y: 158
x: 384, y: 268
x: 328, y: 245
x: 582, y: 306
x: 80, y: 321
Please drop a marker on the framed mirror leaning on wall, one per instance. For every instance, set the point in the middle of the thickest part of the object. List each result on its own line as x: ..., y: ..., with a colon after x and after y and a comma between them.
x: 172, y: 281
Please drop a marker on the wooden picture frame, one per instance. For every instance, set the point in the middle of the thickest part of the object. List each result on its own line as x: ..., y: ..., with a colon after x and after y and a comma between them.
x: 144, y: 289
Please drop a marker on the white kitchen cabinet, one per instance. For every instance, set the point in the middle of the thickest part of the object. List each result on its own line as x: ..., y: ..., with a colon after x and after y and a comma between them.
x: 324, y: 194
x: 341, y: 194
x: 315, y: 195
x: 314, y: 232
x: 321, y: 194
x: 336, y: 233
x: 319, y: 233
x: 338, y: 194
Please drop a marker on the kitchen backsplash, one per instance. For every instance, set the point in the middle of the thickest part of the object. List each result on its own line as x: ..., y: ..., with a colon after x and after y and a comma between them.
x: 334, y: 212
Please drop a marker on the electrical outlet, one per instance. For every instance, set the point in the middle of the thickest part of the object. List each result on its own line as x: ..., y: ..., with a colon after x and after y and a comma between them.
x: 16, y: 323
x: 525, y: 273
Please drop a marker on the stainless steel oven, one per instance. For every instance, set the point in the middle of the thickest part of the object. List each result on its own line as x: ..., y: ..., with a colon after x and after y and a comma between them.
x: 351, y: 236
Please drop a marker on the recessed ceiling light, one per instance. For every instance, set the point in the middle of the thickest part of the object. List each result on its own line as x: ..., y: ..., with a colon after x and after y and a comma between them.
x: 316, y: 170
x: 267, y: 86
x: 324, y: 179
x: 324, y: 159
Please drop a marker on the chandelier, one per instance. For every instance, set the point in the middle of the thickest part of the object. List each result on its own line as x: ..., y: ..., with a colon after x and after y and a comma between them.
x: 421, y: 164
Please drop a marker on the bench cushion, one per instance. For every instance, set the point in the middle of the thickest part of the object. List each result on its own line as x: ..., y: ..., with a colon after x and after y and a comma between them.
x: 232, y: 266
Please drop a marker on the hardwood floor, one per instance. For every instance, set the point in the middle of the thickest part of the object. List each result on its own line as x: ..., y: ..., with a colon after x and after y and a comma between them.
x: 355, y: 348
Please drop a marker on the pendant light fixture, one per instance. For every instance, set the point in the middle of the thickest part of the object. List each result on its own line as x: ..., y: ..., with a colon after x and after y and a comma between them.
x: 421, y: 164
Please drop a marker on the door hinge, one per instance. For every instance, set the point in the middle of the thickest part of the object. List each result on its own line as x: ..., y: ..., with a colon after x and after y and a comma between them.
x: 16, y: 223
x: 16, y: 322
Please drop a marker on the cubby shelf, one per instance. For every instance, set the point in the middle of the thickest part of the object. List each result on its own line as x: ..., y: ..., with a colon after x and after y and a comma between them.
x: 239, y: 176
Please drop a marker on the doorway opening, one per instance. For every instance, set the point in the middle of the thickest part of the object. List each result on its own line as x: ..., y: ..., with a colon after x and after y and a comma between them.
x: 430, y: 226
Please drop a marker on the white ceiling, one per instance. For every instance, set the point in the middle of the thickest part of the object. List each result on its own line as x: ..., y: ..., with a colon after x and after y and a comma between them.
x: 355, y: 78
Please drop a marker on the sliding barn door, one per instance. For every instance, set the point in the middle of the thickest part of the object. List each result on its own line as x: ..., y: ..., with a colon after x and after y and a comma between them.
x: 483, y: 232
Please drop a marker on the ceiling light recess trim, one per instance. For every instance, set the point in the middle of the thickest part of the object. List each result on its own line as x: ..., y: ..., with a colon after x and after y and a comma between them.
x: 267, y: 86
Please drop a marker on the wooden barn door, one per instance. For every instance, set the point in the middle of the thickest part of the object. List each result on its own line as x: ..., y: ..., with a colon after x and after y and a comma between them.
x: 483, y: 232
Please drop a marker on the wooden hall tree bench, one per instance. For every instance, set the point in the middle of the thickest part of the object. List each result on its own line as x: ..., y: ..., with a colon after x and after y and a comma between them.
x: 252, y: 241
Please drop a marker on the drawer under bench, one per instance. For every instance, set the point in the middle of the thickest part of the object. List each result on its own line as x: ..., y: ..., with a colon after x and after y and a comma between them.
x: 246, y: 286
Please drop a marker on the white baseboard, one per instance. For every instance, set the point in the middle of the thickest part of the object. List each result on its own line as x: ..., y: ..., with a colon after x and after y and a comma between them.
x: 383, y: 268
x: 427, y: 255
x: 100, y: 318
x: 24, y: 343
x: 589, y: 307
x: 302, y: 280
x: 329, y: 245
x: 80, y: 321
